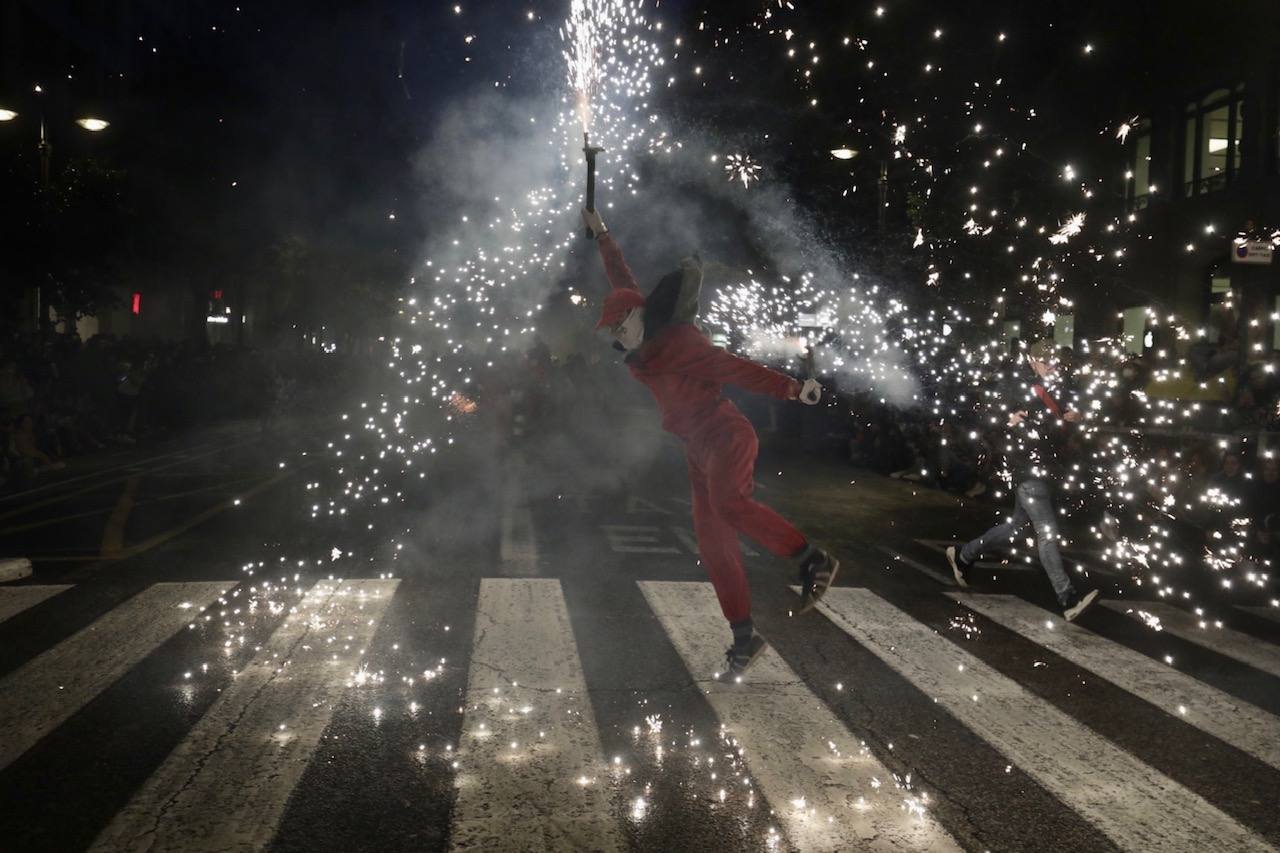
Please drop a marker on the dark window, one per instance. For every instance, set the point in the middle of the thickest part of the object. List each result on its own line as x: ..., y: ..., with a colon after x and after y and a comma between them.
x: 1211, y: 148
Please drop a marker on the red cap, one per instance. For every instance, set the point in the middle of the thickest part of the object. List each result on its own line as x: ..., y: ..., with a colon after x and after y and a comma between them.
x: 617, y: 304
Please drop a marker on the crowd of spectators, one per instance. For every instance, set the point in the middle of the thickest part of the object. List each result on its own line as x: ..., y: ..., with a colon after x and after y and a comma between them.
x: 61, y: 397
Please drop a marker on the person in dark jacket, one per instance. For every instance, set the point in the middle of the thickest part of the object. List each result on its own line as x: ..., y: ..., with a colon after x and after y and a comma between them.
x: 686, y: 375
x: 1025, y: 400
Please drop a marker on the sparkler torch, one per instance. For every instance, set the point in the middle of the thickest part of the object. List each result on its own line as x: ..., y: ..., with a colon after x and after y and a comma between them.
x: 590, y: 154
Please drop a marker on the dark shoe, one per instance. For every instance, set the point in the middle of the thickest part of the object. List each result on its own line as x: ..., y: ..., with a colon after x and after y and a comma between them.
x: 739, y: 657
x: 817, y: 571
x: 1078, y: 604
x: 959, y: 567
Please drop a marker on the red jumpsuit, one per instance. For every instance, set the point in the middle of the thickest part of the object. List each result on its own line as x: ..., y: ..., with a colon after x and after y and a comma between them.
x: 686, y: 375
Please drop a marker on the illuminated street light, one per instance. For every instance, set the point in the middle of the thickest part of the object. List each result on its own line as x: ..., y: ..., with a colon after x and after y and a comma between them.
x: 93, y: 124
x: 7, y: 115
x: 844, y: 153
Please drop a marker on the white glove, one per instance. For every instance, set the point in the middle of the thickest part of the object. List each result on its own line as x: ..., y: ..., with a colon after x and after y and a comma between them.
x: 593, y: 221
x: 810, y: 393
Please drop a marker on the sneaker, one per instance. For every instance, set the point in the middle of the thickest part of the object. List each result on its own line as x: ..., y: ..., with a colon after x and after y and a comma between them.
x: 817, y: 571
x: 978, y: 488
x: 1079, y: 604
x: 740, y: 657
x: 958, y: 567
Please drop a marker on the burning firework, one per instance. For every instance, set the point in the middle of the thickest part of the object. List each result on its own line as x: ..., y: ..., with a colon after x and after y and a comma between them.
x: 740, y: 167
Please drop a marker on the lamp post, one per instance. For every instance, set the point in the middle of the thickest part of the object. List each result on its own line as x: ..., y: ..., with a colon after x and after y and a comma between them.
x: 89, y: 122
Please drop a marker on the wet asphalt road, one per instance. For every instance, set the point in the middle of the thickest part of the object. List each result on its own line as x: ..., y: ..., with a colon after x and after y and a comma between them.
x: 532, y: 668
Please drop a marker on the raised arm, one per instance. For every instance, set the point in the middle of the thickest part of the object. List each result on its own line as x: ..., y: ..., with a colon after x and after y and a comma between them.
x: 615, y: 266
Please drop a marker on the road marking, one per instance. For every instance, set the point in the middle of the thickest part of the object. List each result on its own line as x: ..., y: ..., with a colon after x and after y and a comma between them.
x: 113, y: 532
x: 14, y: 568
x: 1253, y: 651
x: 1244, y: 726
x: 1269, y: 612
x: 1075, y: 560
x: 945, y: 580
x: 794, y: 745
x: 225, y: 786
x: 635, y: 539
x: 197, y: 519
x: 637, y: 505
x: 1011, y: 565
x: 28, y: 507
x: 531, y: 771
x: 56, y: 483
x: 1134, y: 805
x: 690, y: 541
x: 518, y: 547
x: 44, y: 692
x: 15, y: 599
x: 226, y: 485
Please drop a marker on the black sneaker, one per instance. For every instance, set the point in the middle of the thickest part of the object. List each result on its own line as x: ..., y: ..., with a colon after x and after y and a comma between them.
x: 1078, y: 604
x: 959, y: 567
x: 740, y: 657
x: 817, y: 571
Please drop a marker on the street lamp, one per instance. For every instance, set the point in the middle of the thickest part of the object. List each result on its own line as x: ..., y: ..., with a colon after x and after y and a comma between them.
x: 90, y: 120
x: 844, y: 153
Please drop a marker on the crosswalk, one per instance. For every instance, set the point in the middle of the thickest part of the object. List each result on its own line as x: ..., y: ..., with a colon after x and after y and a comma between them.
x: 526, y: 766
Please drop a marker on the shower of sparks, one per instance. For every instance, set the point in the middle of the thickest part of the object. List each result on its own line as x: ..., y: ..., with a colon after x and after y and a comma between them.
x: 740, y: 167
x: 1073, y: 226
x: 477, y: 299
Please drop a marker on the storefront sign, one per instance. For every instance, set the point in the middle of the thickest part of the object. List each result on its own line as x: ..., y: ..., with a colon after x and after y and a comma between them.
x: 1251, y: 252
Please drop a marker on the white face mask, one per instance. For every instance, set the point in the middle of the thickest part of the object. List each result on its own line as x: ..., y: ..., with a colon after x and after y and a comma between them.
x: 630, y: 332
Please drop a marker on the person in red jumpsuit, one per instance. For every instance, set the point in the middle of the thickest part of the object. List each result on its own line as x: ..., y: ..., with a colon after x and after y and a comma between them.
x: 686, y: 375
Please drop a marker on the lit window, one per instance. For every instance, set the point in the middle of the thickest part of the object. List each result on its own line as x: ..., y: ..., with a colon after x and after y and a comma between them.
x: 1064, y: 331
x: 1213, y: 131
x: 1135, y: 329
x: 1138, y: 187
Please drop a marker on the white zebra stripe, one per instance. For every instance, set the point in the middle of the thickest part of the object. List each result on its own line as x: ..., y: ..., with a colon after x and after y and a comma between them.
x: 15, y: 599
x: 795, y: 747
x: 1269, y: 612
x: 1134, y: 805
x: 1257, y: 653
x: 945, y: 580
x: 44, y: 692
x: 530, y: 764
x: 225, y: 786
x: 1244, y: 726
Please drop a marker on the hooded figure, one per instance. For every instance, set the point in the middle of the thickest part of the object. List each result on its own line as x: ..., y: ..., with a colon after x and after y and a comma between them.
x: 686, y: 375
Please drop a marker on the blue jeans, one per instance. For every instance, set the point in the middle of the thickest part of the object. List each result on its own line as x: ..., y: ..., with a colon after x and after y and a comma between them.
x: 1033, y: 503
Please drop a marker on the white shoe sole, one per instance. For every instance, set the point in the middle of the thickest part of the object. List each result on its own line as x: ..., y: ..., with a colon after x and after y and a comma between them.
x: 1073, y: 613
x: 955, y: 568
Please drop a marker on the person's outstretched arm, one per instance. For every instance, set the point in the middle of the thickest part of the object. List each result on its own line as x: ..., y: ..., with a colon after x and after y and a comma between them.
x: 704, y: 361
x: 615, y: 266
